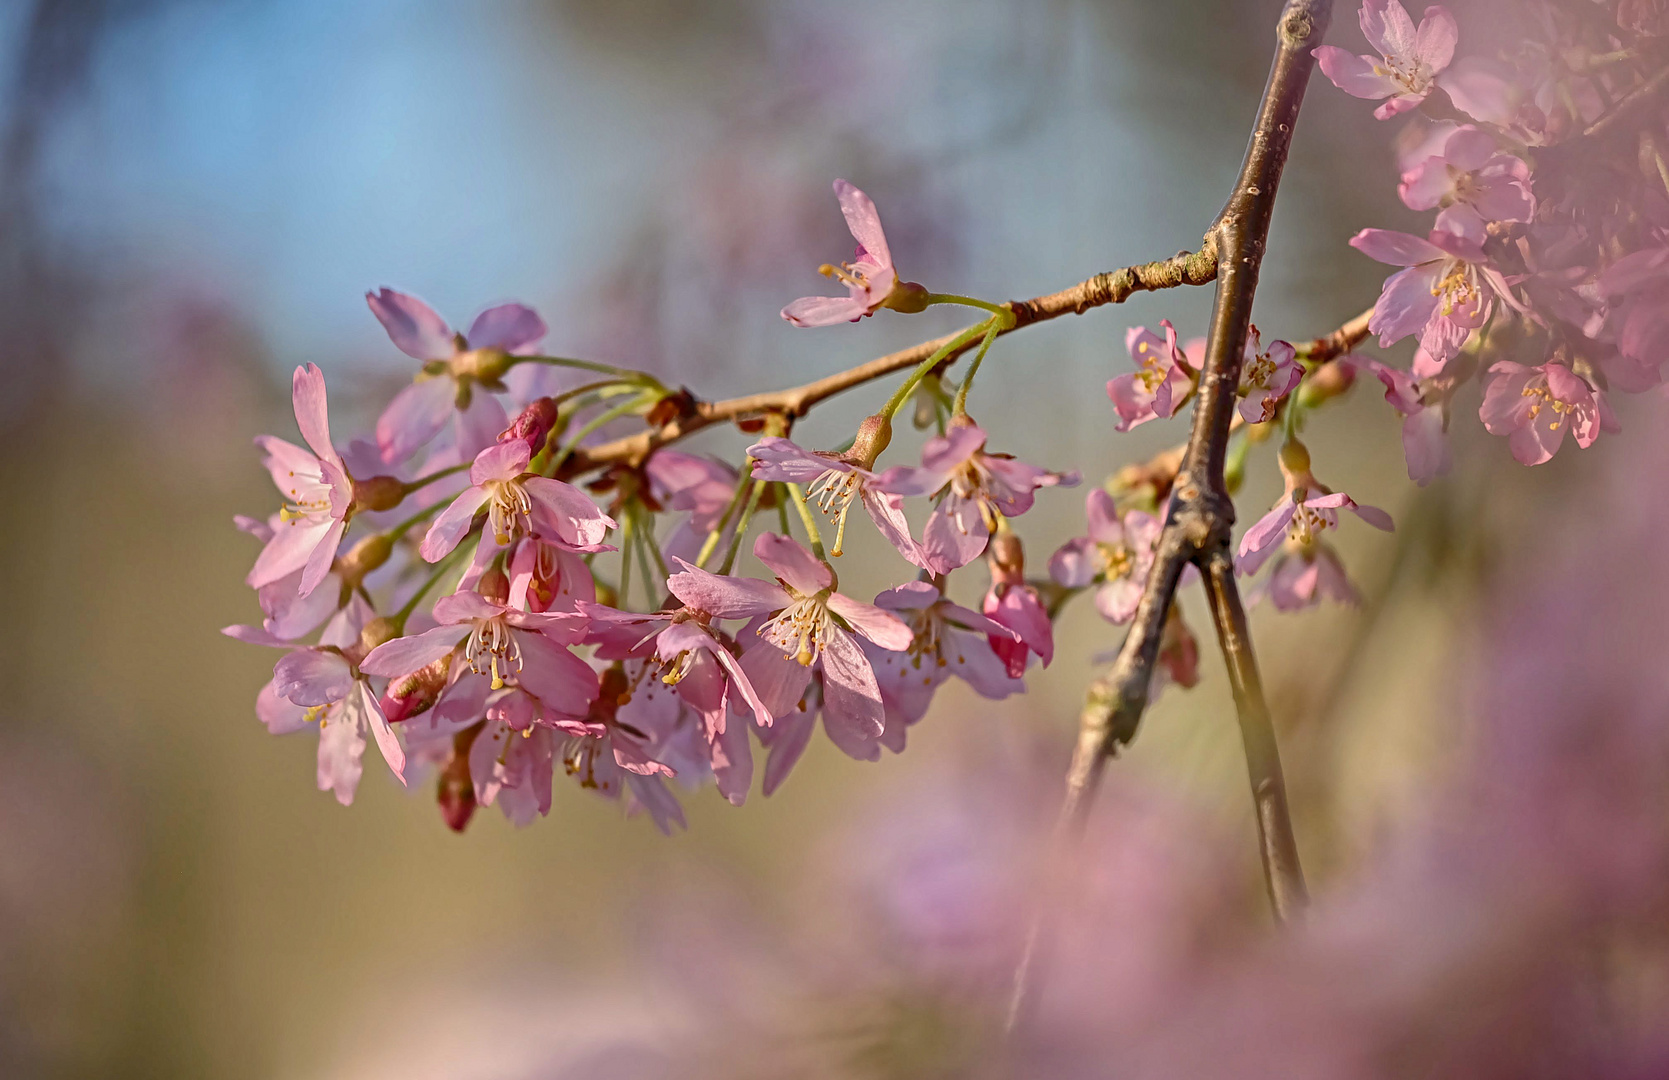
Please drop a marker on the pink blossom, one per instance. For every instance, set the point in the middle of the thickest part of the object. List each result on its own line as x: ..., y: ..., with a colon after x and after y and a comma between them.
x: 1409, y: 59
x: 511, y: 646
x: 632, y: 720
x: 287, y: 615
x: 870, y: 279
x: 947, y: 639
x: 1446, y: 292
x: 547, y: 577
x: 321, y: 684
x: 1637, y: 288
x: 973, y: 489
x: 1425, y: 441
x: 1535, y: 406
x: 453, y: 366
x: 1162, y: 381
x: 518, y: 504
x: 810, y: 626
x: 1471, y: 179
x: 319, y: 493
x: 1016, y: 606
x: 689, y: 482
x: 1266, y: 378
x: 1303, y: 514
x: 833, y: 485
x: 1116, y: 553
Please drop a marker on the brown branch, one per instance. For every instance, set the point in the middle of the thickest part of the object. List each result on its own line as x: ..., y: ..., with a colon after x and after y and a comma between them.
x: 1339, y: 342
x: 1200, y: 514
x: 1112, y: 287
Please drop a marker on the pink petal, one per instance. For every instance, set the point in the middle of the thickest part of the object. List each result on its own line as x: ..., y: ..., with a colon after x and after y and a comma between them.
x: 778, y: 459
x: 558, y: 678
x: 789, y: 560
x: 341, y: 745
x: 864, y: 221
x: 279, y: 715
x: 955, y: 535
x: 1117, y: 600
x: 851, y: 696
x: 312, y: 414
x: 810, y: 311
x: 1386, y: 25
x: 1395, y: 248
x: 415, y: 416
x: 464, y: 606
x: 322, y: 556
x: 452, y: 524
x: 1434, y: 43
x: 1261, y: 539
x: 367, y: 707
x: 1425, y: 445
x: 1073, y: 566
x: 792, y: 736
x: 887, y: 512
x: 778, y: 679
x: 1405, y: 306
x: 563, y: 513
x: 725, y: 597
x: 405, y: 655
x: 515, y: 328
x: 500, y: 461
x: 292, y: 544
x: 881, y: 627
x: 412, y: 325
x: 1353, y: 74
x: 312, y: 677
x: 910, y: 596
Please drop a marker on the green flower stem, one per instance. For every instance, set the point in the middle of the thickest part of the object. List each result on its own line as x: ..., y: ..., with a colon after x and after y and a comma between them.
x: 586, y: 365
x: 744, y: 481
x: 650, y: 547
x: 424, y: 481
x: 742, y: 526
x: 961, y: 406
x: 637, y: 401
x: 400, y: 530
x: 999, y: 310
x: 809, y: 520
x: 902, y: 394
x: 628, y: 536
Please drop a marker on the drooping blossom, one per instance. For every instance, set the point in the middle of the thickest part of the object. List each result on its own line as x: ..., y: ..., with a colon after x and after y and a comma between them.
x: 973, y: 488
x: 870, y: 279
x: 809, y: 626
x: 1117, y: 553
x: 630, y: 721
x: 1636, y: 287
x: 1535, y: 406
x: 322, y: 685
x: 319, y: 494
x: 1447, y: 291
x: 1266, y: 378
x: 1472, y: 181
x: 454, y: 367
x: 1164, y: 378
x: 502, y: 643
x: 834, y: 483
x: 1306, y: 568
x: 1409, y: 58
x: 947, y: 639
x: 518, y: 504
x: 1424, y: 406
x: 1016, y: 606
x: 287, y: 615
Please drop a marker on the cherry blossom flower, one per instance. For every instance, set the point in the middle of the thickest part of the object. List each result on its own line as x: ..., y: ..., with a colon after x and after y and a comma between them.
x: 547, y: 577
x: 630, y: 718
x: 1116, y: 553
x: 870, y: 279
x: 1164, y: 378
x: 518, y: 504
x: 1409, y: 61
x: 502, y: 643
x: 689, y: 482
x: 287, y: 615
x: 1447, y: 291
x: 1472, y: 181
x: 834, y: 484
x: 810, y: 626
x: 947, y: 640
x: 1424, y: 409
x: 1637, y: 288
x: 321, y: 684
x: 973, y: 489
x: 1266, y: 378
x: 1535, y: 406
x: 319, y: 493
x: 1306, y: 568
x: 453, y: 365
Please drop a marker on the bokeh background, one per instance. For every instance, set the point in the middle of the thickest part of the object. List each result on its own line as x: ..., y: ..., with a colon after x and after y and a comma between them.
x: 194, y: 198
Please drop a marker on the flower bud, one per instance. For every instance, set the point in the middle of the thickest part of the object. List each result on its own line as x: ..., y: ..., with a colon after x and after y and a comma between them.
x: 415, y: 693
x: 364, y: 557
x: 378, y: 493
x: 533, y: 425
x: 378, y: 631
x: 1007, y: 556
x: 873, y: 436
x: 456, y: 792
x: 907, y: 297
x: 495, y: 586
x: 1295, y: 458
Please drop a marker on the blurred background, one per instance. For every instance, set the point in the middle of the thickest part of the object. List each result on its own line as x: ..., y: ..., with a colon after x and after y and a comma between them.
x: 194, y: 198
